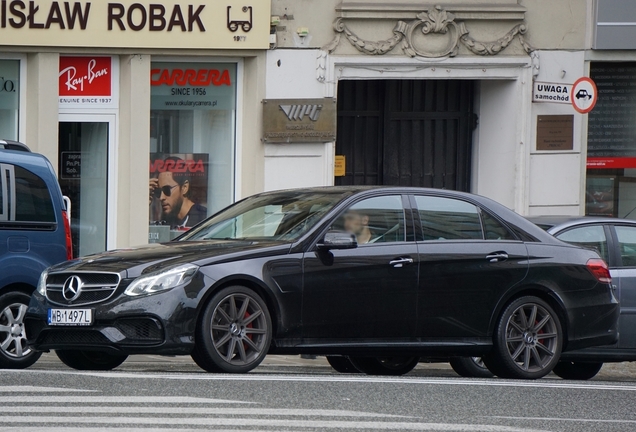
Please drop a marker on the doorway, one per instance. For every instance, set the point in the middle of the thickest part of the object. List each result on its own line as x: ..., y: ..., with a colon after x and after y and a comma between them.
x: 84, y: 147
x: 406, y: 132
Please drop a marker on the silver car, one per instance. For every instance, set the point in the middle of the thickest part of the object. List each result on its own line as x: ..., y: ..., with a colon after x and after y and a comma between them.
x: 615, y: 240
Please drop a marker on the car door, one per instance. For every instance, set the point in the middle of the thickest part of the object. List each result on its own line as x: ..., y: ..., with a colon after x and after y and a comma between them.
x: 468, y: 259
x: 624, y: 277
x: 368, y: 292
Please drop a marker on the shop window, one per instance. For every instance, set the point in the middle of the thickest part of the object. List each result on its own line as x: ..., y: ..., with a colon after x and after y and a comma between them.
x: 611, y: 143
x: 448, y: 219
x: 192, y: 140
x: 9, y: 98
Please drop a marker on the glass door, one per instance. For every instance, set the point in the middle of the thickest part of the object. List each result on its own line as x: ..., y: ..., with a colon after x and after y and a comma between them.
x: 83, y: 176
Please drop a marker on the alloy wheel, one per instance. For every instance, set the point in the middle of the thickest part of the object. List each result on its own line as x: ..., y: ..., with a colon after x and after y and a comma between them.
x: 13, y: 339
x: 531, y: 337
x: 238, y: 329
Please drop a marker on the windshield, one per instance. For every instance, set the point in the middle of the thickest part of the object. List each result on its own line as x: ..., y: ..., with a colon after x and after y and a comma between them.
x: 285, y: 216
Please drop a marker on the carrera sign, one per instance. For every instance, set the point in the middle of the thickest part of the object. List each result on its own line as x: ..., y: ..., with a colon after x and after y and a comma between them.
x: 87, y: 81
x: 192, y: 77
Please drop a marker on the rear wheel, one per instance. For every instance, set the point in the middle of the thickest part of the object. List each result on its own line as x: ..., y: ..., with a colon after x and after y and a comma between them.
x: 470, y: 367
x: 342, y: 364
x: 384, y: 365
x: 527, y: 341
x: 234, y: 333
x: 577, y: 370
x: 90, y: 360
x: 14, y: 353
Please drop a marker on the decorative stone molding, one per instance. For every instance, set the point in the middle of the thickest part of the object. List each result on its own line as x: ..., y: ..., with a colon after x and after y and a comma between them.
x: 436, y: 21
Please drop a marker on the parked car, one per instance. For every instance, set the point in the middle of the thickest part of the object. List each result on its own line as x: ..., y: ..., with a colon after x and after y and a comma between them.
x: 615, y: 240
x: 378, y: 276
x: 34, y: 234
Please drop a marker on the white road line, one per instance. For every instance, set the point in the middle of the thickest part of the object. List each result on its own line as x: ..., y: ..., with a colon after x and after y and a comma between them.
x: 242, y: 422
x: 35, y: 389
x: 542, y: 384
x: 110, y: 429
x: 117, y: 399
x: 578, y: 420
x: 10, y: 409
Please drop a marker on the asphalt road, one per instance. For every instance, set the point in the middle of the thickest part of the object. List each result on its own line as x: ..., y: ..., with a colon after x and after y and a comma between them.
x: 292, y: 394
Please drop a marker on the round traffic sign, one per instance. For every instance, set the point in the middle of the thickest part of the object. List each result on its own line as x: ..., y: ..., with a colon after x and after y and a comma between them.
x: 584, y: 95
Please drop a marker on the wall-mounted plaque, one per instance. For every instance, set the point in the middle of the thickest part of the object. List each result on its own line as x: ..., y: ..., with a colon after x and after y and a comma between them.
x: 299, y: 120
x: 340, y: 166
x: 555, y: 132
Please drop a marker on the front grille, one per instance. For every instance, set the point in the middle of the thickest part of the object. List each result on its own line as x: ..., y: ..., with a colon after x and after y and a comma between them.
x: 95, y: 287
x: 140, y: 330
x: 73, y: 337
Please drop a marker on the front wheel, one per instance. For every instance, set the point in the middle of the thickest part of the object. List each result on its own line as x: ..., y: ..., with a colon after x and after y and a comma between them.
x: 470, y: 367
x: 234, y: 333
x: 394, y: 366
x: 577, y: 370
x: 527, y: 341
x: 90, y: 360
x: 14, y: 352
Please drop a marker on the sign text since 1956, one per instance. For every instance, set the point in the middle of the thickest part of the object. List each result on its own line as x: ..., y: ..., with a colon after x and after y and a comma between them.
x: 67, y: 15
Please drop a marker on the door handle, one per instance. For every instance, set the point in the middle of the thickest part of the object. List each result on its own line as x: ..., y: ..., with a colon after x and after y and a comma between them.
x: 401, y: 262
x: 497, y: 256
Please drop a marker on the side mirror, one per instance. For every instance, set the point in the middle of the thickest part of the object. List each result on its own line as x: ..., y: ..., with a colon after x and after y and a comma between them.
x: 338, y: 240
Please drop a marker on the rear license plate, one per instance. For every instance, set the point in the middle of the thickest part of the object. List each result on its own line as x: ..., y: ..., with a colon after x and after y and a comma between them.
x: 70, y: 317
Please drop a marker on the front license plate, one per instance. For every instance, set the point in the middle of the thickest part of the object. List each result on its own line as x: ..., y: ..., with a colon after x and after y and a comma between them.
x: 70, y: 317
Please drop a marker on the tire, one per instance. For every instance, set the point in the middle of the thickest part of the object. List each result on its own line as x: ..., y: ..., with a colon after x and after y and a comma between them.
x: 234, y: 332
x: 527, y: 341
x: 14, y: 353
x: 90, y: 360
x: 577, y: 370
x: 342, y: 364
x: 470, y: 367
x: 393, y: 366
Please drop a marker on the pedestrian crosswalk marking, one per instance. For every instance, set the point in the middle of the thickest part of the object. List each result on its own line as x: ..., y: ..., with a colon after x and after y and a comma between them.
x: 117, y: 399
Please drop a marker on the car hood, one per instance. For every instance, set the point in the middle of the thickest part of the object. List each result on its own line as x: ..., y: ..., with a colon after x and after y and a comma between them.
x: 132, y: 262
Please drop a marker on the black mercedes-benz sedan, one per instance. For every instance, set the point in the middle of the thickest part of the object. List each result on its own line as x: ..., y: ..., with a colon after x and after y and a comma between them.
x: 375, y: 277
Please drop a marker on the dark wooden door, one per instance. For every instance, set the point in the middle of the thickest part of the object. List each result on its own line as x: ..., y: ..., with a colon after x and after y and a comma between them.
x: 406, y: 132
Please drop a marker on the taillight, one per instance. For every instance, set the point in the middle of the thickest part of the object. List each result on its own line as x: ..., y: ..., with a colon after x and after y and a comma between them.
x: 67, y: 234
x: 599, y: 269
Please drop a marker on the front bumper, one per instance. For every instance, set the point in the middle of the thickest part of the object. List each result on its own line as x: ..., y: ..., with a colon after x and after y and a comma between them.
x: 162, y: 323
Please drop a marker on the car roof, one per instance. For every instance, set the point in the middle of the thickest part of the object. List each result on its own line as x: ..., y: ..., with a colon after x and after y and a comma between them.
x: 13, y: 145
x: 557, y: 222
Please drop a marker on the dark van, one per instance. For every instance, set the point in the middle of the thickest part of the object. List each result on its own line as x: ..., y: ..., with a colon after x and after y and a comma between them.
x: 34, y: 234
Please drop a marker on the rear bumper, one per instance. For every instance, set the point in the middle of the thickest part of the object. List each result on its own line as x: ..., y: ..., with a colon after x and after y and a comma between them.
x: 594, y: 325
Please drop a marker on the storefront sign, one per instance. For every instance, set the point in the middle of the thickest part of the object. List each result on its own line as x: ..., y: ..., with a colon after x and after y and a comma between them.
x: 340, y: 166
x: 555, y: 132
x: 299, y: 120
x: 87, y: 82
x: 551, y: 92
x: 218, y: 24
x: 193, y: 86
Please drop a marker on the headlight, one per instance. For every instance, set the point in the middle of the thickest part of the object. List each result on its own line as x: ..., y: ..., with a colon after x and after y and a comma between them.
x: 162, y: 280
x: 42, y: 283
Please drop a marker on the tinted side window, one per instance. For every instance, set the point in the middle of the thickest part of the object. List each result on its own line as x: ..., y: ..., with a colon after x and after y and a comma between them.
x: 374, y: 220
x: 494, y: 230
x: 32, y: 197
x: 627, y: 244
x: 448, y: 219
x: 591, y: 237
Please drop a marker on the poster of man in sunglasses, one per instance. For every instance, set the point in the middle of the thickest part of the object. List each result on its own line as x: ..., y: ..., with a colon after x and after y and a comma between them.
x: 178, y: 189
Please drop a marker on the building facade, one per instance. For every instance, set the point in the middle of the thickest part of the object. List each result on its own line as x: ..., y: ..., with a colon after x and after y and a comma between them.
x: 156, y: 115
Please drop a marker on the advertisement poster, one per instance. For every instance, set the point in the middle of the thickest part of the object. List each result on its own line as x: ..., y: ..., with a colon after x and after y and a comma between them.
x: 88, y: 82
x: 178, y: 190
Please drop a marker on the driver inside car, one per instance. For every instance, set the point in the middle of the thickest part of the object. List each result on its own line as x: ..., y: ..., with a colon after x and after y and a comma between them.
x: 357, y: 223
